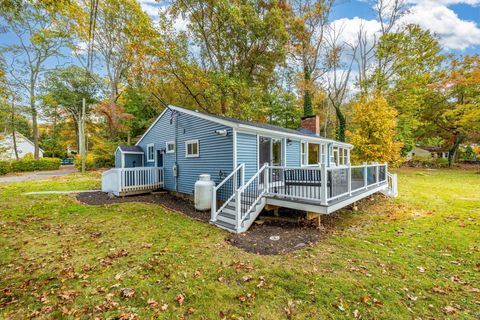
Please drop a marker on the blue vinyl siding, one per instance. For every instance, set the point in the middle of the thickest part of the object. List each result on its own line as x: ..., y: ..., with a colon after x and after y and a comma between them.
x: 247, y: 153
x: 118, y: 159
x: 133, y: 160
x: 293, y: 158
x: 216, y: 152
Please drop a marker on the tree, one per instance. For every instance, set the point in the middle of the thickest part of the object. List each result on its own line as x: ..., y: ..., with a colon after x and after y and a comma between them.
x: 414, y: 64
x: 65, y: 89
x: 119, y: 40
x: 373, y: 130
x: 339, y: 67
x: 40, y: 37
x: 310, y: 19
x: 237, y: 45
x: 458, y: 117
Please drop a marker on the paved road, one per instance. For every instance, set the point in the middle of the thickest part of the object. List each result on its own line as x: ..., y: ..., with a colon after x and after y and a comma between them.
x: 38, y: 175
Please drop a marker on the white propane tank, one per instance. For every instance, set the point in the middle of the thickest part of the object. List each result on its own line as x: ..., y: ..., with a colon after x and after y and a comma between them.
x: 204, y: 192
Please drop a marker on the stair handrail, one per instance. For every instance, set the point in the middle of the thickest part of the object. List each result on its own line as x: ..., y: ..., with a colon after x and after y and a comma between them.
x: 214, y: 210
x: 241, y: 216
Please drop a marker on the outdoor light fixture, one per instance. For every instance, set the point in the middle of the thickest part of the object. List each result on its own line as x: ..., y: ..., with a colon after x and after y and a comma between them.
x: 289, y: 141
x: 222, y: 133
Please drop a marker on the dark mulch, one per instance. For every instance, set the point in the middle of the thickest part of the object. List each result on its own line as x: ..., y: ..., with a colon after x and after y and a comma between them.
x: 165, y: 199
x: 292, y: 234
x: 293, y: 230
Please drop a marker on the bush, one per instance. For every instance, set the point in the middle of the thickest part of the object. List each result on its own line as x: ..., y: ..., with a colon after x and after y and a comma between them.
x: 89, y: 162
x: 426, y: 162
x: 5, y: 167
x: 28, y: 164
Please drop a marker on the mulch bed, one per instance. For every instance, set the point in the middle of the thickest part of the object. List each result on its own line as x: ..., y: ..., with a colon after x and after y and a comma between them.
x: 291, y: 228
x: 165, y: 199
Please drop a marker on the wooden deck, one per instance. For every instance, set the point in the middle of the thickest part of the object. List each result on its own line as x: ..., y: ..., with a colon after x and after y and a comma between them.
x: 313, y: 189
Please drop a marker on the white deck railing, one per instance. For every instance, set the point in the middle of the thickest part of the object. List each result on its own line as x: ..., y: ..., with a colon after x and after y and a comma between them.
x: 307, y: 183
x: 124, y: 181
x: 226, y: 190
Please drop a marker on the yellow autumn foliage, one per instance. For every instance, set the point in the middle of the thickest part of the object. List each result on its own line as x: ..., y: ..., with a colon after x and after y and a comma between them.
x: 372, y: 131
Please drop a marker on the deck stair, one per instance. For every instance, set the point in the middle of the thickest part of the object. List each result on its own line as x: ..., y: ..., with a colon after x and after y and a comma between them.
x: 236, y: 203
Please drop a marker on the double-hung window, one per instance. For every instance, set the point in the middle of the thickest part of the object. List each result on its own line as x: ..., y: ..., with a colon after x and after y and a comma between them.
x: 192, y: 149
x: 170, y: 146
x: 150, y: 152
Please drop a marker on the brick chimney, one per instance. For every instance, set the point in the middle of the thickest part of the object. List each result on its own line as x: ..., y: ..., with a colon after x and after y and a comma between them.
x: 311, y: 123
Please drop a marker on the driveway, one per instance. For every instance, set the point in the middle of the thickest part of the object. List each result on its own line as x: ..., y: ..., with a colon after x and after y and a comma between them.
x: 38, y: 175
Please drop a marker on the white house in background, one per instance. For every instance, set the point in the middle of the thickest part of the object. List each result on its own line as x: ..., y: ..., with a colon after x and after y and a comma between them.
x: 24, y: 146
x: 428, y: 152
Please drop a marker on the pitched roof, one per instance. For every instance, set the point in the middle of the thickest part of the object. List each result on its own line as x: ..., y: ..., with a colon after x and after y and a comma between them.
x: 302, y: 132
x: 125, y: 148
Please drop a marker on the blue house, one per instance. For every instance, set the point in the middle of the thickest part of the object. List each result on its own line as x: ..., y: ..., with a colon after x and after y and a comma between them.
x: 251, y: 164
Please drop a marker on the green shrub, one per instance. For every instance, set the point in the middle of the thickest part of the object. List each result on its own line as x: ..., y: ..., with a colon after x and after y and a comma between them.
x: 427, y: 162
x: 89, y: 162
x: 23, y: 165
x: 5, y: 167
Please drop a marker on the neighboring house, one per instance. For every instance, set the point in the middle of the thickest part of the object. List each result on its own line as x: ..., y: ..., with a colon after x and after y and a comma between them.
x: 244, y: 159
x: 24, y: 146
x: 428, y: 152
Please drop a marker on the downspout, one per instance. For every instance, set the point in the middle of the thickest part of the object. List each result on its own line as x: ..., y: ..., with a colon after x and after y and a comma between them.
x: 176, y: 150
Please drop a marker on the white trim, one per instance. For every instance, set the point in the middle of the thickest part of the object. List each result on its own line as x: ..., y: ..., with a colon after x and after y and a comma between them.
x: 194, y: 141
x: 174, y: 146
x: 152, y: 145
x: 235, y: 160
x: 151, y: 126
x: 258, y: 152
x: 249, y: 128
x: 122, y: 157
x: 129, y: 152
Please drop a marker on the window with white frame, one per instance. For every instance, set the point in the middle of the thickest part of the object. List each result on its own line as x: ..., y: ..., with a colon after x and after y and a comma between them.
x: 170, y: 146
x: 192, y: 149
x: 150, y: 152
x: 303, y: 149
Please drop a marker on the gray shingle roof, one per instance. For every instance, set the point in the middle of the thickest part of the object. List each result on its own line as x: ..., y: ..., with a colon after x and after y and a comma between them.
x: 125, y: 148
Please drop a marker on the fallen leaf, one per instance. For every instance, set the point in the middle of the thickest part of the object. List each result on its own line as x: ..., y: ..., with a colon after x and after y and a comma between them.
x: 180, y: 298
x: 152, y: 303
x: 421, y: 269
x: 127, y: 293
x: 289, y: 309
x: 164, y: 307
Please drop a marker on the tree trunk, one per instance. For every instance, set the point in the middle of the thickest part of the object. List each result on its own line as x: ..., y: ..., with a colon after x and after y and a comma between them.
x: 33, y: 111
x: 452, y: 152
x: 342, y: 124
x: 81, y: 130
x: 14, y: 138
x: 307, y: 95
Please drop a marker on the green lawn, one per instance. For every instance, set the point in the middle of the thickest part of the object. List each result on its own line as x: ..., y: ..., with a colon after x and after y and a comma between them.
x: 417, y: 256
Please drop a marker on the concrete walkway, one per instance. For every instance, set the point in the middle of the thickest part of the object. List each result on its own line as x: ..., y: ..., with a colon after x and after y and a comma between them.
x: 38, y: 175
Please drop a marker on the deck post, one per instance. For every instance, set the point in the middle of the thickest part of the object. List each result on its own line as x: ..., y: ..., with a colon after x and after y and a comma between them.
x: 349, y: 179
x: 323, y: 186
x: 377, y: 172
x: 265, y: 179
x: 214, y: 204
x: 119, y: 174
x: 238, y: 207
x: 365, y: 172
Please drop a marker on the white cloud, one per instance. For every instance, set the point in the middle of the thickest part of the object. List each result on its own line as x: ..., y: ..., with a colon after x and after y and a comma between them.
x: 348, y: 29
x: 433, y: 15
x: 150, y: 7
x: 453, y: 32
x: 445, y: 2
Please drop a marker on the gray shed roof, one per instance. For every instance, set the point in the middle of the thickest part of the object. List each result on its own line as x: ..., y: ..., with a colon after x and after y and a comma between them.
x: 125, y: 148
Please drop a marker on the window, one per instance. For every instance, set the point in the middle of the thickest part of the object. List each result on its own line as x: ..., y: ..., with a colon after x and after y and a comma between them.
x: 313, y: 153
x: 303, y: 148
x: 150, y: 152
x: 192, y: 149
x: 170, y: 146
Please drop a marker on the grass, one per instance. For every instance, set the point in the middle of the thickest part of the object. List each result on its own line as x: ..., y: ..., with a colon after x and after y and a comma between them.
x: 413, y: 257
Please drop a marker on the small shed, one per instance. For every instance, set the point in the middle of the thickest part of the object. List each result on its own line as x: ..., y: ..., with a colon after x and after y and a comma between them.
x: 128, y: 156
